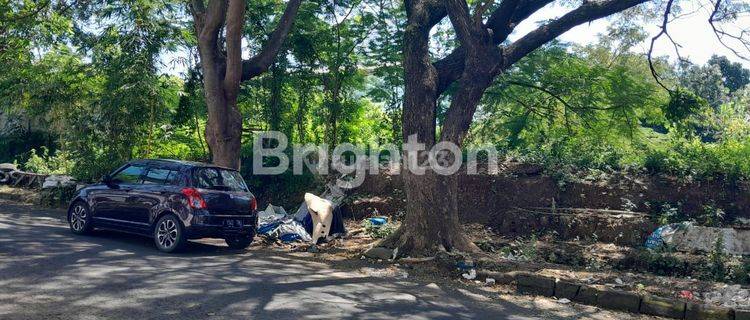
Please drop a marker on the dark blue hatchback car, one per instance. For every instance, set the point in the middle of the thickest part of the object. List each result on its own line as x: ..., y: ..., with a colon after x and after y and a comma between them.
x: 171, y: 201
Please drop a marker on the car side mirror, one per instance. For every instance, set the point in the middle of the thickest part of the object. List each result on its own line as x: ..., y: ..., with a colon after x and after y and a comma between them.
x: 107, y: 180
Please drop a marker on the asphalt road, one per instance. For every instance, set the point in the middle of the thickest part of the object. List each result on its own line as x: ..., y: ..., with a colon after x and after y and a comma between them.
x: 48, y: 273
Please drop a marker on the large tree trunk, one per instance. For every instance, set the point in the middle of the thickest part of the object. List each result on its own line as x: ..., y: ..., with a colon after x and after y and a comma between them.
x: 224, y: 70
x: 432, y: 220
x: 224, y: 133
x: 432, y: 223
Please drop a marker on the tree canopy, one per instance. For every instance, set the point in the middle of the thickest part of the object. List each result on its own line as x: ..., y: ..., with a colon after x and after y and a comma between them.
x: 93, y: 83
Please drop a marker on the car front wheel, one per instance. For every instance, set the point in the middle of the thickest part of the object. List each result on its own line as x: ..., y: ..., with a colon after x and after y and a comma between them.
x: 79, y: 218
x: 169, y: 235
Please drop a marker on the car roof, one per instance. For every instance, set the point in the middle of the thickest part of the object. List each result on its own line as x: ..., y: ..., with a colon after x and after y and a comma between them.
x: 183, y: 163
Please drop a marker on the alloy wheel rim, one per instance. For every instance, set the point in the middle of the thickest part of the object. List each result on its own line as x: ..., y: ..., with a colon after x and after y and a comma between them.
x: 167, y: 233
x: 78, y: 218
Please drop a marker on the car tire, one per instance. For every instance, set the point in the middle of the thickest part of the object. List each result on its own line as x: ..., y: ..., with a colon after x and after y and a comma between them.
x: 79, y: 218
x: 169, y: 234
x: 239, y: 242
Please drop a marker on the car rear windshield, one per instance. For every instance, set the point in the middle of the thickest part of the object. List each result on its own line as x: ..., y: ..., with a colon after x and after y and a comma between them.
x: 219, y: 179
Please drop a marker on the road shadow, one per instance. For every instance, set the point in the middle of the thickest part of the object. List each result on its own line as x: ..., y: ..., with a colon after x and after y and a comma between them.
x: 47, y: 272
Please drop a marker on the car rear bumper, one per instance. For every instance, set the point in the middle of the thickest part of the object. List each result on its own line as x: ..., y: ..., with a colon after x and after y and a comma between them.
x: 222, y: 226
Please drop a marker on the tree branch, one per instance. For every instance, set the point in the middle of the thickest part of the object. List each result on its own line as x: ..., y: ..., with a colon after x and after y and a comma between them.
x: 720, y: 33
x: 260, y: 62
x: 505, y: 19
x: 665, y: 22
x: 587, y: 12
x: 213, y: 20
x: 502, y: 22
x: 466, y: 31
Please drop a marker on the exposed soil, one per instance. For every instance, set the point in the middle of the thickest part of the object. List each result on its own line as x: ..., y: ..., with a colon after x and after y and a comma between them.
x: 485, y: 198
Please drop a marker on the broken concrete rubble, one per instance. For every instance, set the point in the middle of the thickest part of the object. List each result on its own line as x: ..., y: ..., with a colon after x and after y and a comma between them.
x: 687, y: 237
x: 729, y: 296
x: 379, y: 253
x: 58, y: 181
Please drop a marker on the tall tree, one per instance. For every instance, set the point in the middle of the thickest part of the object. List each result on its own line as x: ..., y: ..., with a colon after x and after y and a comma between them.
x: 223, y: 68
x: 432, y: 220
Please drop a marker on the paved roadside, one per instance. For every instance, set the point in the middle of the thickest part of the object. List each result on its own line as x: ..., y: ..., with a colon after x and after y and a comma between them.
x: 48, y: 273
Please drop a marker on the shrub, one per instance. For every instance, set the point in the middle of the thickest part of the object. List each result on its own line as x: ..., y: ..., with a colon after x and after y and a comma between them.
x: 59, y: 163
x: 716, y: 268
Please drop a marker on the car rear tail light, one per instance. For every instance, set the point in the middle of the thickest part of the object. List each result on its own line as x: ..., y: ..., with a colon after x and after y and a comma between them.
x: 195, y: 200
x: 253, y: 205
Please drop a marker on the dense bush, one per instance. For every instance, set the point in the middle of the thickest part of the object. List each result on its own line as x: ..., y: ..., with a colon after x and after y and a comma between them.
x: 44, y: 163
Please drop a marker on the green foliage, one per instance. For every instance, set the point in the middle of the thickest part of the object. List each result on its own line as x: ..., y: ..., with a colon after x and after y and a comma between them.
x: 712, y: 216
x: 740, y: 271
x: 666, y: 213
x: 44, y: 163
x: 734, y: 75
x: 59, y: 197
x: 683, y: 104
x: 378, y: 231
x: 89, y: 80
x: 660, y: 262
x: 717, y: 260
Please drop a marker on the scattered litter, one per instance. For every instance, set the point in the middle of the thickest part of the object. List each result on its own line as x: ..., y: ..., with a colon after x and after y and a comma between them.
x: 489, y: 281
x: 619, y: 281
x: 378, y: 227
x: 465, y: 265
x: 378, y: 221
x: 563, y: 301
x: 686, y: 294
x: 663, y: 235
x: 471, y: 275
x: 272, y: 213
x: 289, y: 237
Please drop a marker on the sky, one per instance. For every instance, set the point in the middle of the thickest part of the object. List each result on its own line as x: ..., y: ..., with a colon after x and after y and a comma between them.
x: 691, y: 31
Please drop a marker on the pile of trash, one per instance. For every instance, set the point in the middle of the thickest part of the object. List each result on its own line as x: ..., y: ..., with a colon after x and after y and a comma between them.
x: 317, y: 219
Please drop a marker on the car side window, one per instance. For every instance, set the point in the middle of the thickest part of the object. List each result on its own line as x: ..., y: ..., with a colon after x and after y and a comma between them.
x: 175, y: 178
x: 130, y: 175
x: 161, y: 176
x: 156, y: 176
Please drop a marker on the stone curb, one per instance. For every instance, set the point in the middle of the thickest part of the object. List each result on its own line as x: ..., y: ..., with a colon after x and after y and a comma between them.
x: 533, y: 284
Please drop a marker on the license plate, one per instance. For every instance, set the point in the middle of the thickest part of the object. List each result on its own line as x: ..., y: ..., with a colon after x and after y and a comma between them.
x: 233, y: 223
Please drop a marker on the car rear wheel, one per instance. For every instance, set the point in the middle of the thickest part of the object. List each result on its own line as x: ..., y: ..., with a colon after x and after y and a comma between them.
x: 239, y: 242
x: 79, y: 218
x: 169, y: 234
